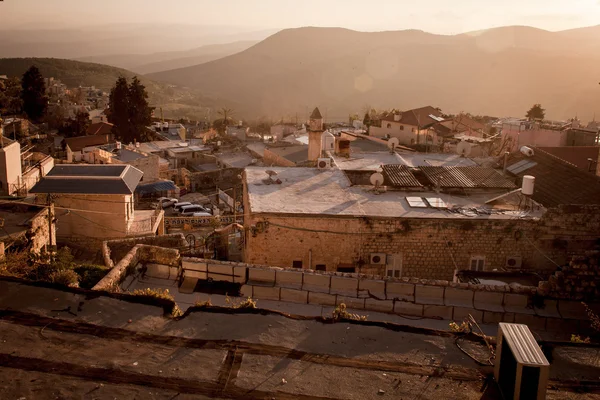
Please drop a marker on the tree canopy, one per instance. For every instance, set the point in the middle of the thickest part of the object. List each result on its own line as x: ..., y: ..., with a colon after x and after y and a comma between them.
x: 33, y: 94
x: 129, y: 110
x: 536, y: 112
x: 10, y: 97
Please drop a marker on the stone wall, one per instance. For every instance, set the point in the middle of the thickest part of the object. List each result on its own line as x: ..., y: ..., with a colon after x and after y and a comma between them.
x: 409, y: 297
x: 221, y: 178
x: 115, y: 250
x: 423, y: 248
x: 150, y: 166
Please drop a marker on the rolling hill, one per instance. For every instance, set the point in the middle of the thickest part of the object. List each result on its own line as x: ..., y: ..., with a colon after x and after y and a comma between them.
x: 500, y: 71
x: 176, y: 102
x: 156, y: 62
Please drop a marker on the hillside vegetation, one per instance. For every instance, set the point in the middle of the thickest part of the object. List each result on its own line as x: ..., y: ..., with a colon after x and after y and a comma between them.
x: 499, y: 71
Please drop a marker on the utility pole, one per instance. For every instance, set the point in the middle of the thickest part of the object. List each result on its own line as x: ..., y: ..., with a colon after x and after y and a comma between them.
x: 50, y: 216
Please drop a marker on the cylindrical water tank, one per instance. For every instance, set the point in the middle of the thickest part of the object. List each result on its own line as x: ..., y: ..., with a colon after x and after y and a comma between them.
x: 528, y: 151
x: 528, y: 183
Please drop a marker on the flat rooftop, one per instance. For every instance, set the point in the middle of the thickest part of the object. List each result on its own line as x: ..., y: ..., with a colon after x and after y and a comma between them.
x: 311, y: 191
x: 370, y: 161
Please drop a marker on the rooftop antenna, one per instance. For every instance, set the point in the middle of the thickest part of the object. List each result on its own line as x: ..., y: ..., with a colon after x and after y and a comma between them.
x: 376, y: 180
x: 392, y: 144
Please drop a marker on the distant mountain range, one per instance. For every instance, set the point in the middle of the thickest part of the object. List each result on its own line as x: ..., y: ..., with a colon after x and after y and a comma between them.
x: 156, y: 62
x: 500, y: 71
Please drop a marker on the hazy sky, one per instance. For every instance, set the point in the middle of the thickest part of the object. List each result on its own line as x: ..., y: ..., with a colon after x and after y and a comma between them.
x: 438, y: 16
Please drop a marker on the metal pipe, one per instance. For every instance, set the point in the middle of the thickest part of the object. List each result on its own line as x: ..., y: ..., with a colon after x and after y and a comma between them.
x: 505, y: 162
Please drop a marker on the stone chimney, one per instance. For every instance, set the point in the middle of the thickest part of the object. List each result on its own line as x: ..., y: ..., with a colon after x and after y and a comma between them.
x: 342, y: 147
x: 315, y: 131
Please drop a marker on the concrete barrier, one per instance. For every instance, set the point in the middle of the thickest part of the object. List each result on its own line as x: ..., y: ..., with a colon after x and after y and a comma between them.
x: 159, y: 271
x: 517, y: 303
x: 246, y: 291
x: 294, y: 295
x: 265, y: 277
x: 240, y: 274
x: 202, y: 267
x: 322, y: 299
x: 371, y: 286
x: 344, y: 286
x: 220, y: 272
x: 189, y: 281
x: 433, y: 311
x: 405, y: 308
x: 400, y: 291
x: 462, y: 313
x: 379, y: 305
x: 492, y: 317
x: 265, y: 292
x: 572, y: 309
x: 289, y: 279
x: 316, y: 283
x: 489, y: 301
x: 351, y: 302
x: 532, y: 321
x: 430, y: 295
x: 550, y: 309
x: 458, y: 297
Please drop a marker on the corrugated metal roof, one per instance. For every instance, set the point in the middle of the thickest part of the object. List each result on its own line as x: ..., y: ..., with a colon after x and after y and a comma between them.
x: 466, y: 177
x: 160, y: 186
x: 399, y: 175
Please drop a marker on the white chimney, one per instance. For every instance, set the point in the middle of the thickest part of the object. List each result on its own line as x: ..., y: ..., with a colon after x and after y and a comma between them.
x: 397, y: 117
x: 528, y: 184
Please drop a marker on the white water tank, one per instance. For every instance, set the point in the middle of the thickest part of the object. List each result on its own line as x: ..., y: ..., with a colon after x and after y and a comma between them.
x: 528, y: 183
x: 528, y: 151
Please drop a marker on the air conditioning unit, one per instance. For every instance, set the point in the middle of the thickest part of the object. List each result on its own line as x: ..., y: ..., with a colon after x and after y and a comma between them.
x: 378, y: 258
x: 324, y: 163
x: 521, y: 369
x: 513, y: 262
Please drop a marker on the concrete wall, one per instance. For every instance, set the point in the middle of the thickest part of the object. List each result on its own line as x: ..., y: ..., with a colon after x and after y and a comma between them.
x: 150, y: 166
x: 431, y: 249
x: 409, y: 297
x: 10, y: 168
x: 406, y: 136
x: 534, y: 137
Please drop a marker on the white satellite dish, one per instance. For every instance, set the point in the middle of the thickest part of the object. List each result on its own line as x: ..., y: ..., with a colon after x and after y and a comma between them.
x: 393, y: 143
x: 376, y: 179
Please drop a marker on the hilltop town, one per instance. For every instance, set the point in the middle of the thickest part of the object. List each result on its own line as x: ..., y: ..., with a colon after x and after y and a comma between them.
x: 415, y: 219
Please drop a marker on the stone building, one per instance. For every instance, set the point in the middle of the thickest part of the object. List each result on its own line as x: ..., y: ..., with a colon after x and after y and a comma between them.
x: 26, y: 227
x: 414, y: 225
x: 97, y: 201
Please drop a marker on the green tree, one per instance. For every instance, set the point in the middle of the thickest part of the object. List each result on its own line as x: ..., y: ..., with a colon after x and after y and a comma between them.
x: 222, y: 123
x: 140, y: 112
x: 536, y: 112
x: 33, y: 94
x: 129, y: 110
x: 118, y: 108
x: 10, y: 97
x: 77, y: 126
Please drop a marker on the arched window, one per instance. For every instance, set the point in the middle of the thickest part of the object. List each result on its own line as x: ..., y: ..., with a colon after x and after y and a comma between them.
x: 401, y: 127
x: 389, y: 126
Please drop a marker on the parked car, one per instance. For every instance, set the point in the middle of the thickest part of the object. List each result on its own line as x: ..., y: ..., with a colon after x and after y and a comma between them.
x: 201, y: 214
x: 166, y: 202
x: 188, y: 211
x: 177, y: 206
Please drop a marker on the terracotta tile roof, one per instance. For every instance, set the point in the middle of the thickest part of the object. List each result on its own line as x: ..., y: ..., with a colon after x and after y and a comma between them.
x: 416, y: 117
x: 557, y: 182
x: 78, y: 143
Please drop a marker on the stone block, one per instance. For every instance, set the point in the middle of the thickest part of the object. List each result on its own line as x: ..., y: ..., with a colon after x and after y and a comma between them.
x: 294, y: 295
x: 461, y: 313
x: 429, y: 294
x: 379, y: 305
x: 406, y: 308
x: 517, y: 303
x: 289, y: 279
x: 351, y: 302
x: 158, y: 271
x: 489, y: 301
x: 259, y: 276
x: 458, y: 297
x: 532, y: 321
x: 562, y: 325
x: 316, y: 283
x: 492, y: 317
x: 571, y: 309
x: 400, y: 291
x: 322, y: 299
x: 189, y: 281
x: 220, y: 272
x: 550, y: 309
x: 344, y: 286
x: 194, y: 265
x: 195, y: 274
x: 372, y: 286
x: 239, y: 274
x: 508, y: 317
x: 265, y: 292
x: 246, y: 291
x: 434, y: 311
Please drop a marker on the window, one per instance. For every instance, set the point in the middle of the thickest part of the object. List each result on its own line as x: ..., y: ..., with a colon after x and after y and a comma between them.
x: 297, y: 264
x: 389, y: 126
x: 401, y: 127
x: 412, y: 141
x: 412, y: 130
x: 321, y: 267
x: 346, y: 269
x: 477, y: 263
x: 393, y: 267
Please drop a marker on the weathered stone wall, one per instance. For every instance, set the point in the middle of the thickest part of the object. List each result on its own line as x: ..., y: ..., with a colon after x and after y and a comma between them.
x: 115, y: 250
x: 150, y: 166
x: 428, y: 248
x: 42, y: 233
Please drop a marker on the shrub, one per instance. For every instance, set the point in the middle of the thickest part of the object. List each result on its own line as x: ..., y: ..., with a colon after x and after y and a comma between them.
x: 66, y: 277
x: 247, y: 303
x: 90, y: 275
x: 578, y: 339
x: 156, y: 293
x: 340, y: 313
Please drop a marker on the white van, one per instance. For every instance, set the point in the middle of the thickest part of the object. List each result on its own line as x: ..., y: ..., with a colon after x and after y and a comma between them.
x: 188, y: 211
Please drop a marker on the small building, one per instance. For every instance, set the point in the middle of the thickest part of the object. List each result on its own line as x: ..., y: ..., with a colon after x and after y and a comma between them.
x: 518, y: 133
x: 77, y: 147
x: 239, y: 132
x: 97, y: 201
x: 26, y: 227
x: 586, y: 158
x: 98, y: 116
x: 279, y: 131
x: 410, y: 127
x: 100, y: 128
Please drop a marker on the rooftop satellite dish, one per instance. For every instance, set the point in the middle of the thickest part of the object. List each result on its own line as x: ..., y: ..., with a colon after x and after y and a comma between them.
x: 376, y: 179
x: 393, y: 143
